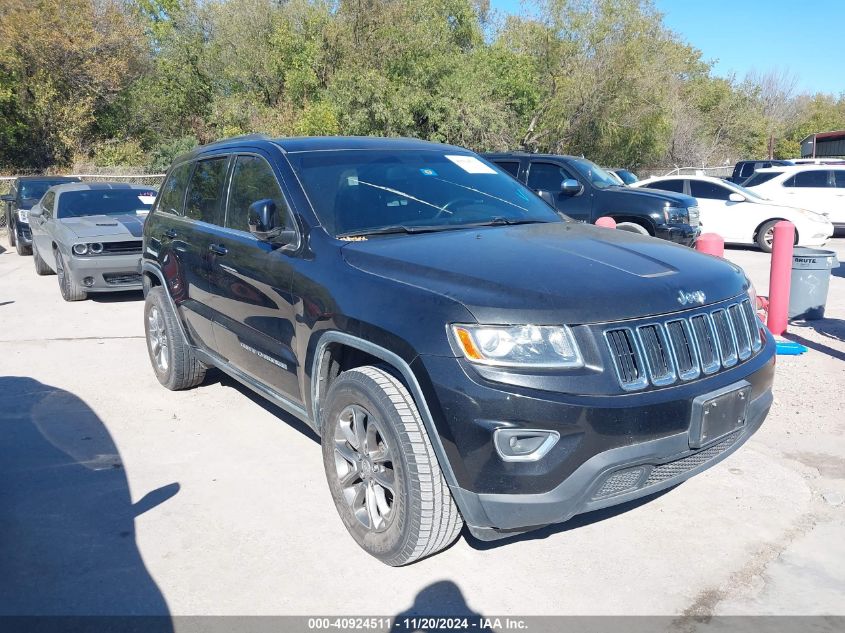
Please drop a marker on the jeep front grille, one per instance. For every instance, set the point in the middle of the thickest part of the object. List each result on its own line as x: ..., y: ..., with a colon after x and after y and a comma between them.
x: 661, y: 352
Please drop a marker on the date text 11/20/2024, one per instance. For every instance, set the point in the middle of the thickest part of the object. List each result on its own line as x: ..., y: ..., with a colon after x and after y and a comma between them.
x: 417, y: 623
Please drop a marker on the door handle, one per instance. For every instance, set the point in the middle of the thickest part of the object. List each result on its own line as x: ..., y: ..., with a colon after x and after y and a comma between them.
x: 171, y: 233
x: 218, y: 249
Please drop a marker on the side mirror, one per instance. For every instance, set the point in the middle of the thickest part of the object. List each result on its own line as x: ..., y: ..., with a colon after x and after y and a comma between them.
x: 263, y: 218
x: 736, y: 197
x: 571, y: 187
x: 36, y: 211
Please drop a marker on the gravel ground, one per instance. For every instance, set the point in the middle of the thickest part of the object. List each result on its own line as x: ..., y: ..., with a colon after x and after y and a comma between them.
x: 118, y: 496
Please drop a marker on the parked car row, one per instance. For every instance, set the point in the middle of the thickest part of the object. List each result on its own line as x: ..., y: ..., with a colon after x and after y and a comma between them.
x: 467, y: 355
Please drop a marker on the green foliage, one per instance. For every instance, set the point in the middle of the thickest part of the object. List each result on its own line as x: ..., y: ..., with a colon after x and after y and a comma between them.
x: 128, y: 81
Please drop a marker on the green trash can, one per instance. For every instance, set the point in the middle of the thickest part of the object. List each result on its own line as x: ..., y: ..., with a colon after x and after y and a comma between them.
x: 809, y: 282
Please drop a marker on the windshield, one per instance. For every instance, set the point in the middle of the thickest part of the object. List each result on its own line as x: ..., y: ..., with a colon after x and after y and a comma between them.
x: 365, y: 191
x: 747, y: 192
x: 34, y: 189
x: 595, y: 174
x: 73, y: 204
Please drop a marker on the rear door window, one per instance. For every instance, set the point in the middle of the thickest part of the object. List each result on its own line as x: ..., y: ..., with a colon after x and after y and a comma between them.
x: 205, y: 191
x: 172, y: 196
x: 816, y: 178
x: 510, y: 166
x: 708, y: 190
x: 676, y: 185
x: 839, y: 178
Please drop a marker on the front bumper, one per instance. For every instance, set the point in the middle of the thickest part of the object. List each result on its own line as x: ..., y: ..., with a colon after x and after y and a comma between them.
x: 612, y: 448
x: 683, y: 234
x: 106, y: 273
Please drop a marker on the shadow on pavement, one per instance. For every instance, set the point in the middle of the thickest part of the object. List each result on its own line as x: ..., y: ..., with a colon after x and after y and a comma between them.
x: 831, y: 328
x: 218, y: 377
x: 578, y: 521
x: 440, y: 599
x: 67, y: 521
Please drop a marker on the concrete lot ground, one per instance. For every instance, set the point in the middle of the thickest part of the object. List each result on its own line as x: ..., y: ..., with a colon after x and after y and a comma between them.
x: 118, y: 496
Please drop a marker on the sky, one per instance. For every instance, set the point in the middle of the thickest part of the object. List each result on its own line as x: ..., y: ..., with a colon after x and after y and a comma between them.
x: 798, y: 36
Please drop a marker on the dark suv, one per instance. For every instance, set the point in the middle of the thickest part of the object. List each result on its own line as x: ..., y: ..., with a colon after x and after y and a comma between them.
x: 25, y: 192
x: 584, y: 191
x: 744, y: 169
x: 465, y: 354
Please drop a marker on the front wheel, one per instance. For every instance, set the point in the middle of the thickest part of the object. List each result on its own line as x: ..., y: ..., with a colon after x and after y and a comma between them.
x: 67, y: 286
x: 383, y: 475
x: 632, y: 227
x: 766, y: 236
x: 21, y: 248
x: 41, y: 267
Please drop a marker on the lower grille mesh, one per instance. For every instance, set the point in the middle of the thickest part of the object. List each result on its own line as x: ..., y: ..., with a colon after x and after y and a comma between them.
x: 680, y: 466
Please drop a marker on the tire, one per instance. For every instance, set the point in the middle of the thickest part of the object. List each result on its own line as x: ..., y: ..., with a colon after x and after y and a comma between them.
x: 172, y: 357
x: 41, y: 267
x: 68, y: 287
x: 418, y: 517
x: 22, y: 249
x: 765, y: 235
x: 632, y: 227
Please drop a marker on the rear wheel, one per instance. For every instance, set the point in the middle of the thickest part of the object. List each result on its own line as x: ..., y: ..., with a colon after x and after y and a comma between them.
x: 632, y: 227
x: 41, y: 267
x: 382, y: 472
x: 67, y: 286
x: 173, y: 359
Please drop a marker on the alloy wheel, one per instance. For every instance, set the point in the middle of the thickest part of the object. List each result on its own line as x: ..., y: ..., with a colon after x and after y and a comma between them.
x: 157, y: 336
x: 364, y: 465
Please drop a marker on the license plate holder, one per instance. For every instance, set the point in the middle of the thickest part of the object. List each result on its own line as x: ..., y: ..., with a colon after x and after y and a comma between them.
x: 719, y: 413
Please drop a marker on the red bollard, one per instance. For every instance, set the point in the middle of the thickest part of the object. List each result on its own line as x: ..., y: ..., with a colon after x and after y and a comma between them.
x: 779, y: 277
x: 710, y: 243
x: 606, y: 222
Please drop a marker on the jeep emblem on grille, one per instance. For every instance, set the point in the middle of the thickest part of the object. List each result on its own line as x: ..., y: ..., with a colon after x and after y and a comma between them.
x: 687, y: 298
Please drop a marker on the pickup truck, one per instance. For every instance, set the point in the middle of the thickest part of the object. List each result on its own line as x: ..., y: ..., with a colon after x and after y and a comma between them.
x: 583, y: 191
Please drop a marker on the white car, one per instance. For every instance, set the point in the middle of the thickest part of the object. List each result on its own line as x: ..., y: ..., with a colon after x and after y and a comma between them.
x: 742, y: 216
x: 820, y: 188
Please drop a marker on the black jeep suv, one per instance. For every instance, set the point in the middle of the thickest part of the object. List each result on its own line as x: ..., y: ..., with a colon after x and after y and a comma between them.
x: 25, y: 192
x: 585, y: 192
x: 465, y: 354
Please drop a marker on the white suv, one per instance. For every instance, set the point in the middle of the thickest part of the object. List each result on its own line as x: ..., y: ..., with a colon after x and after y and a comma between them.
x: 819, y: 188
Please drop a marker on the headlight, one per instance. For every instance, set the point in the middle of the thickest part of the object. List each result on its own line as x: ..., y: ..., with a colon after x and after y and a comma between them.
x: 96, y: 248
x: 675, y: 215
x: 80, y: 249
x: 752, y: 295
x: 23, y: 215
x: 518, y: 345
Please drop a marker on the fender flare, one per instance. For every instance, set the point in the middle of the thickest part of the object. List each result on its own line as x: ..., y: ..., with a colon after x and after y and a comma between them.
x: 394, y: 360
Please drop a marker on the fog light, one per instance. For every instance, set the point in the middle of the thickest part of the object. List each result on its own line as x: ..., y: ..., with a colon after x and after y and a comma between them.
x: 88, y: 282
x: 524, y: 445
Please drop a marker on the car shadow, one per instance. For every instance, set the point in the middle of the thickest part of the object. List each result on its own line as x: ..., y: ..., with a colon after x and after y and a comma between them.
x: 830, y: 328
x: 67, y: 521
x: 576, y: 522
x: 217, y: 377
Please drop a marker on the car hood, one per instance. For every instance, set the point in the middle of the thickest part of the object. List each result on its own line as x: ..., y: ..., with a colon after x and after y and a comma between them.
x: 668, y: 198
x: 106, y: 225
x: 549, y: 273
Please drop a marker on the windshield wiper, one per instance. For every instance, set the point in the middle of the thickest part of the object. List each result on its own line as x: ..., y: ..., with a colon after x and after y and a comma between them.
x: 403, y: 228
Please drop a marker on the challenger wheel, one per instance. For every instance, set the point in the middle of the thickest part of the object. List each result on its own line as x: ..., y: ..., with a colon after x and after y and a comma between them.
x: 173, y: 359
x: 67, y: 286
x: 382, y: 472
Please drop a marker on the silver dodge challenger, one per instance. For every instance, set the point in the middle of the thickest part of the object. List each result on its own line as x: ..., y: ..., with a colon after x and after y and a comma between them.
x: 89, y: 234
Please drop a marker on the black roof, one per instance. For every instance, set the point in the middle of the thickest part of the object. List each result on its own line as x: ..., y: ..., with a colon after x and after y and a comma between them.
x: 322, y: 143
x: 527, y: 155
